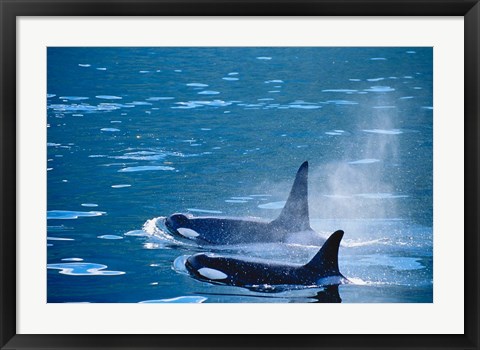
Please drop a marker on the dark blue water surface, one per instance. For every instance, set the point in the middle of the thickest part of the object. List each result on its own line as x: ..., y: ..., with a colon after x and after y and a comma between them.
x: 136, y: 134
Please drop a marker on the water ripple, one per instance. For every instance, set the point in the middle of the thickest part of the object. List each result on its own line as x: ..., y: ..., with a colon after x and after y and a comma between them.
x: 66, y: 214
x: 177, y: 300
x: 273, y: 205
x: 145, y: 168
x: 83, y: 269
x: 108, y: 97
x: 110, y: 237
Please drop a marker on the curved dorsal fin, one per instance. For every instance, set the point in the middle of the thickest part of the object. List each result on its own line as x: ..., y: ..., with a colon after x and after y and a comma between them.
x: 294, y: 216
x: 326, y: 260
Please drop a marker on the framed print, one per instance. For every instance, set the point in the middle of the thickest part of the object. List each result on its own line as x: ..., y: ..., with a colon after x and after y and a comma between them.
x: 184, y: 175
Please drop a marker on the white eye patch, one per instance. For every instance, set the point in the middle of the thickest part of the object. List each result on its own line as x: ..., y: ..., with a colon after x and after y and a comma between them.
x: 187, y: 232
x: 212, y: 274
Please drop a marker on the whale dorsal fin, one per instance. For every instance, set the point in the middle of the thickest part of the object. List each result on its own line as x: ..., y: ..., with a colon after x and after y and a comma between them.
x: 294, y: 216
x: 326, y: 260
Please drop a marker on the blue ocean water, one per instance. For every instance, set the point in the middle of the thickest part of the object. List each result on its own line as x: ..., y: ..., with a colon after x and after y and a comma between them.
x: 136, y: 134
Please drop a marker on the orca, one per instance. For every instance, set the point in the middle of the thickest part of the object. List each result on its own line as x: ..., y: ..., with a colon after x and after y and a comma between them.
x: 322, y: 269
x: 293, y: 218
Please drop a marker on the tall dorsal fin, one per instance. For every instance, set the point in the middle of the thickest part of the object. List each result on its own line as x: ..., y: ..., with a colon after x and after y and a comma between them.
x: 294, y: 216
x: 326, y: 260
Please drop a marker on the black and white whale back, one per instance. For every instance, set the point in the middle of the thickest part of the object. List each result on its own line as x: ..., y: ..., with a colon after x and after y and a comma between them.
x: 294, y: 218
x: 322, y: 269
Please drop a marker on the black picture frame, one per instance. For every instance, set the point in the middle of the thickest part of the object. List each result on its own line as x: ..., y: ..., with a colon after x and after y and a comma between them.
x: 10, y: 10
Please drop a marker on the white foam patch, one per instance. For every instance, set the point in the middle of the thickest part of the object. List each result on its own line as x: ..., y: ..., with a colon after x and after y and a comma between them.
x: 67, y: 214
x: 339, y: 90
x: 187, y: 232
x: 83, y: 269
x: 108, y: 97
x: 161, y: 98
x: 208, y: 92
x: 380, y: 89
x: 150, y: 227
x: 136, y: 233
x: 303, y: 106
x: 196, y: 104
x: 145, y: 168
x: 73, y: 98
x: 208, y: 211
x: 74, y: 108
x: 197, y: 85
x: 110, y: 129
x: 212, y: 274
x: 110, y: 237
x: 144, y: 155
x: 357, y: 281
x: 139, y: 103
x: 264, y: 58
x: 178, y: 300
x: 120, y: 186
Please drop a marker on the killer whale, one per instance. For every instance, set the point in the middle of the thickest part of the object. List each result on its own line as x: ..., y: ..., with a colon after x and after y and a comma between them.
x: 293, y: 218
x: 322, y: 269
